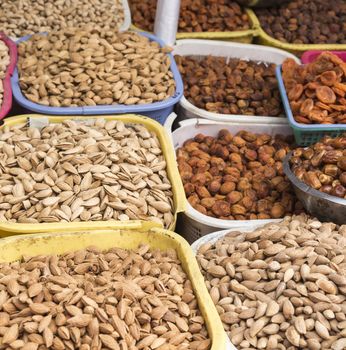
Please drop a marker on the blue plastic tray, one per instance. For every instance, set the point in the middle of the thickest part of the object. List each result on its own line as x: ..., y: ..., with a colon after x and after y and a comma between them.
x: 306, y: 134
x: 158, y: 111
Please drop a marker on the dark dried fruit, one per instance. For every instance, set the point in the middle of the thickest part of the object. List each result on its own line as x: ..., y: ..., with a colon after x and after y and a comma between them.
x: 230, y: 86
x: 248, y: 184
x: 306, y: 21
x: 195, y: 15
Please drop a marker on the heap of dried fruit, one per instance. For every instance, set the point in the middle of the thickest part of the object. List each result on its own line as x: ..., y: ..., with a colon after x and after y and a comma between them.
x: 195, y: 15
x: 4, y: 62
x: 322, y: 165
x: 230, y: 86
x: 23, y: 17
x: 281, y: 287
x: 88, y: 299
x: 317, y: 91
x: 87, y: 67
x: 306, y: 21
x: 236, y: 177
x: 97, y: 170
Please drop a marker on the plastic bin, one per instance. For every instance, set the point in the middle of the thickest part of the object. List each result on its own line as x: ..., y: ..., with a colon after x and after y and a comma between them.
x: 127, y: 237
x: 297, y: 49
x: 6, y: 105
x: 212, y: 238
x: 242, y: 36
x: 306, y: 134
x: 10, y: 228
x: 222, y: 49
x: 194, y: 224
x: 310, y: 56
x: 158, y: 111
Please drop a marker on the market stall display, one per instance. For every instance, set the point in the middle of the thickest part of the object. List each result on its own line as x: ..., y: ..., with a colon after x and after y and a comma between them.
x: 98, y: 73
x: 86, y: 170
x: 8, y: 59
x: 22, y: 17
x: 281, y: 286
x: 216, y: 90
x: 137, y: 286
x: 314, y: 94
x: 200, y: 19
x: 248, y: 165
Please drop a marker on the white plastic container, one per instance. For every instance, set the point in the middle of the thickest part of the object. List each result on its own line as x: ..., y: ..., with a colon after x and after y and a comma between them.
x: 190, y: 47
x: 212, y: 238
x: 194, y: 224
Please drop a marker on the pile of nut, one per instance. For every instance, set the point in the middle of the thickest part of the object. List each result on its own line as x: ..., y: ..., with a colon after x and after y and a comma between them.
x: 87, y: 67
x: 282, y: 286
x: 195, y: 15
x: 316, y: 91
x: 88, y: 299
x: 306, y: 21
x: 237, y: 177
x: 230, y: 86
x: 23, y: 17
x: 99, y: 170
x: 323, y: 165
x: 4, y: 62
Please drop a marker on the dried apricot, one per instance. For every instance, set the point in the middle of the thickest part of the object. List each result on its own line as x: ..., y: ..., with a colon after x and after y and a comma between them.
x: 307, y: 106
x: 325, y: 94
x: 295, y: 93
x: 328, y: 78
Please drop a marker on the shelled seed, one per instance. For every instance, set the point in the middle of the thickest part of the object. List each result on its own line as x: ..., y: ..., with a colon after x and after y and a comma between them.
x: 282, y: 286
x: 118, y: 299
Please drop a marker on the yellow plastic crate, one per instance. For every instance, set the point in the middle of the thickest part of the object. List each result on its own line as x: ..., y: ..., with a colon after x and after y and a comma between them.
x: 127, y: 236
x: 10, y: 228
x: 240, y: 36
x: 298, y: 49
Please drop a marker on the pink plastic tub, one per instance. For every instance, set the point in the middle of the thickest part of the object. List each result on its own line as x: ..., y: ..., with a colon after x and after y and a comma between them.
x: 310, y: 56
x: 7, y: 100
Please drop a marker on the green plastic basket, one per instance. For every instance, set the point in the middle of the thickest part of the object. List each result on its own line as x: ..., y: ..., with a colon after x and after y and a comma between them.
x: 306, y: 134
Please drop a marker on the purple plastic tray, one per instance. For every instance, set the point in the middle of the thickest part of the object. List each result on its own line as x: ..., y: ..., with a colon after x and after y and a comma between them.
x: 310, y: 56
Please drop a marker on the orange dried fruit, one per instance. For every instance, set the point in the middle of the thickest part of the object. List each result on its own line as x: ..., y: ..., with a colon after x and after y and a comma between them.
x: 307, y: 107
x: 325, y: 94
x: 340, y: 108
x: 310, y: 93
x: 303, y: 120
x: 338, y: 91
x: 318, y: 115
x: 328, y: 78
x: 295, y: 106
x: 312, y: 85
x: 323, y: 106
x: 295, y: 93
x: 340, y: 86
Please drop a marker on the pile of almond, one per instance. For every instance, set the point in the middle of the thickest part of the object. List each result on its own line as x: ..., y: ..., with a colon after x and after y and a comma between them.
x: 88, y: 67
x: 88, y: 299
x: 282, y: 286
x: 95, y: 170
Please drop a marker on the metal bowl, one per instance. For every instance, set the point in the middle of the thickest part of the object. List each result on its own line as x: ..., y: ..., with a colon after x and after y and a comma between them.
x: 321, y: 205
